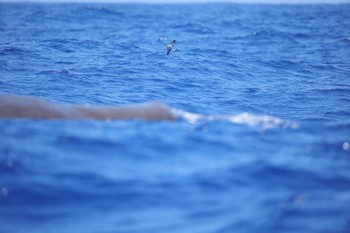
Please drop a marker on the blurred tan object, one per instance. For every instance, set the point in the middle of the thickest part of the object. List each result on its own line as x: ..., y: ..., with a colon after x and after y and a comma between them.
x: 15, y: 106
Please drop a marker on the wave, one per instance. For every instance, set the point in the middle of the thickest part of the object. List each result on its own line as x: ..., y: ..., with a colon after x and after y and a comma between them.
x: 263, y: 121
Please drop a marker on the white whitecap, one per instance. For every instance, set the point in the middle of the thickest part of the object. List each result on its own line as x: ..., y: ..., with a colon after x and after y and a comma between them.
x: 264, y: 121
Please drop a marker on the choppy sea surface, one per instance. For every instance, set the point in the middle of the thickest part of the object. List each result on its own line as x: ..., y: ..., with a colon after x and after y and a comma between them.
x: 262, y: 140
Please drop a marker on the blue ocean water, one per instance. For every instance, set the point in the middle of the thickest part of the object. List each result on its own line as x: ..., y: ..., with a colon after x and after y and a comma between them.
x: 262, y: 94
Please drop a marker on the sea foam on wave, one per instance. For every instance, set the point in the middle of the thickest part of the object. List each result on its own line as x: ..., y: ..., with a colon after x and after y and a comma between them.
x: 264, y: 121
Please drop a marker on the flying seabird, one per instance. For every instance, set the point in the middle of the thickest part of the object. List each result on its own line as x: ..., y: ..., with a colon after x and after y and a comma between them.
x: 170, y: 47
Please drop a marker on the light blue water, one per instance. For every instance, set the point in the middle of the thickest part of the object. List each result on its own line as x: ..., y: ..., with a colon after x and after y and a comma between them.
x: 262, y: 140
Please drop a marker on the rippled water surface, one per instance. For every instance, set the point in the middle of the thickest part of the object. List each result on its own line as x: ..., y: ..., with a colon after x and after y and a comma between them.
x: 262, y: 143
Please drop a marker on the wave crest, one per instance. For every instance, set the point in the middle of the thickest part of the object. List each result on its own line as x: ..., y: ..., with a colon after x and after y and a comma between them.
x: 264, y: 121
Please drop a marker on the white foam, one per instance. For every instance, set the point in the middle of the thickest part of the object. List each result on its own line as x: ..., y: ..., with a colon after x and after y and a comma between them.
x: 264, y: 121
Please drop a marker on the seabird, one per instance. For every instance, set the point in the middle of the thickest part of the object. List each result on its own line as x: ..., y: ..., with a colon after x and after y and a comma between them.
x: 170, y: 47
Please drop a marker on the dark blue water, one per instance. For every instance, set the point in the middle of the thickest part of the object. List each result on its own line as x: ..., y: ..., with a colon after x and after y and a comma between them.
x: 261, y: 145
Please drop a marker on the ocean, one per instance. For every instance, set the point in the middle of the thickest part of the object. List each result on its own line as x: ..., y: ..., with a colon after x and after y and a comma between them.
x: 262, y: 137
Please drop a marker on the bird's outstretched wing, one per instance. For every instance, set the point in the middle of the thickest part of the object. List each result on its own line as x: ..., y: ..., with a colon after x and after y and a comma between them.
x: 168, y: 49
